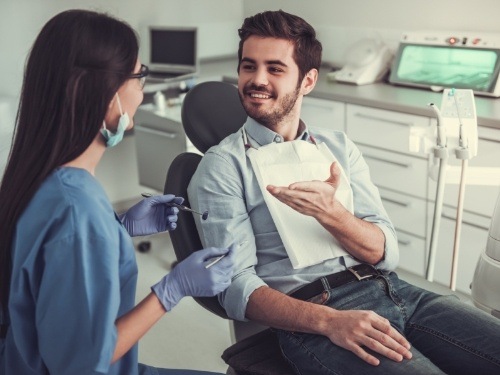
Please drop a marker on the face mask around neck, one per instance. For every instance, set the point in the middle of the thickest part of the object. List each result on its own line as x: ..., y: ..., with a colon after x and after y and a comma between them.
x: 112, y: 139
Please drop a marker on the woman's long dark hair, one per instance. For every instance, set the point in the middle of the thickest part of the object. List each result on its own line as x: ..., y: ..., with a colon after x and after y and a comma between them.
x: 75, y: 67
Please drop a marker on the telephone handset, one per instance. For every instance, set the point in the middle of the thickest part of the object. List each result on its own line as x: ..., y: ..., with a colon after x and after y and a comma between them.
x: 367, y: 61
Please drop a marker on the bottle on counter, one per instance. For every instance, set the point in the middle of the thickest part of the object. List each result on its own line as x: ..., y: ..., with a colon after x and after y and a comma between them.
x: 160, y: 101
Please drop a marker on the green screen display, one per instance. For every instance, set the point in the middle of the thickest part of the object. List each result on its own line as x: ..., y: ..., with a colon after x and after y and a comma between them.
x: 446, y: 66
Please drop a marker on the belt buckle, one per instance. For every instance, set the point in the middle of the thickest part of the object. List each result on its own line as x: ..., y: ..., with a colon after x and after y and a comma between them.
x: 360, y: 275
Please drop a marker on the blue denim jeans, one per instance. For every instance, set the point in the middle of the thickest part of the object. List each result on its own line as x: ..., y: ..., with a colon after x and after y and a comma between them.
x: 447, y: 336
x: 148, y: 370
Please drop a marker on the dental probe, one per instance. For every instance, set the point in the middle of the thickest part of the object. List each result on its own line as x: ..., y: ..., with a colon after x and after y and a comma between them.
x: 215, y: 260
x: 203, y: 215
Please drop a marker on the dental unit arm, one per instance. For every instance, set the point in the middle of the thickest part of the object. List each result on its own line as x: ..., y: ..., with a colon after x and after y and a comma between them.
x: 440, y: 153
x: 456, y: 130
x: 441, y: 131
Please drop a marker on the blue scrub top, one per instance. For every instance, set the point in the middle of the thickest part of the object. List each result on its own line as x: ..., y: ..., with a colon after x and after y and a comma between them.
x: 74, y: 273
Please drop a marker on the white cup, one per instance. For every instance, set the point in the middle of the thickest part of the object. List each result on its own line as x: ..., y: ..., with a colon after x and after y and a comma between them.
x: 159, y: 99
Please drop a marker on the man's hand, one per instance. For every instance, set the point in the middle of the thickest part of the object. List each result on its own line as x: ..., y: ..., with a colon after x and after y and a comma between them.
x: 311, y: 198
x: 334, y: 178
x: 356, y: 330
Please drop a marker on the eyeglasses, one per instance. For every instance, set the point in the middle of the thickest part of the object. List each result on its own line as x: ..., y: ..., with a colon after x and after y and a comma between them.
x: 141, y: 75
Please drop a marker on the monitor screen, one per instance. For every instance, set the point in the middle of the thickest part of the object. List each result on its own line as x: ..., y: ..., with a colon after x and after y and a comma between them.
x: 172, y: 48
x: 468, y: 68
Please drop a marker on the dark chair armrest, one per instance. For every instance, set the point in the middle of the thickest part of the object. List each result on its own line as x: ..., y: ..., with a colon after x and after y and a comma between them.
x: 258, y: 354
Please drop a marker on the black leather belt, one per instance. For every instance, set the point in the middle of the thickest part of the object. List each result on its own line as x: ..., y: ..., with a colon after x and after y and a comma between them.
x: 355, y: 273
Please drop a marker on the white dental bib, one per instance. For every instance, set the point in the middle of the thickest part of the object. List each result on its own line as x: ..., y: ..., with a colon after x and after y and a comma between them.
x: 306, y: 241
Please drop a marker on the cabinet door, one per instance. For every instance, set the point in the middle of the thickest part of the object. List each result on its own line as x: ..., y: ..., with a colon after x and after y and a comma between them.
x: 382, y: 128
x: 155, y: 152
x: 478, y: 198
x: 323, y: 113
x: 411, y: 253
x: 408, y: 214
x: 402, y: 173
x: 473, y: 238
x: 158, y: 139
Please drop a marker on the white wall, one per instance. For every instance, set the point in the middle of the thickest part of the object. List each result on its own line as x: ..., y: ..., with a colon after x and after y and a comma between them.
x: 462, y: 15
x: 340, y: 23
x: 21, y: 20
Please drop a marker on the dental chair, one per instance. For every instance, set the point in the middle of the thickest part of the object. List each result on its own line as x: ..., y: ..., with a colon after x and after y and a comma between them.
x: 210, y: 112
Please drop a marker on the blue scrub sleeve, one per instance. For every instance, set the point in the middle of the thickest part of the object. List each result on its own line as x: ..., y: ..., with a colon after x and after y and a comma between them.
x: 78, y: 303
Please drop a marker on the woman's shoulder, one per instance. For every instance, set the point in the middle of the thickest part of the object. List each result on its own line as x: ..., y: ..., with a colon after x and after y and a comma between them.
x: 69, y: 197
x: 76, y: 187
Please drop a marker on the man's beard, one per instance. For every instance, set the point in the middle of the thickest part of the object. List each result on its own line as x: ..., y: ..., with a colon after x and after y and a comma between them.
x: 275, y: 116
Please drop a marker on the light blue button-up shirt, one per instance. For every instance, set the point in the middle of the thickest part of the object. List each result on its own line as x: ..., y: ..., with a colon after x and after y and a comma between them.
x: 226, y: 186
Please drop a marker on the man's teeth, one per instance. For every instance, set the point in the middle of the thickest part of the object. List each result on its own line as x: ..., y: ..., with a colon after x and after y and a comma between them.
x: 260, y: 96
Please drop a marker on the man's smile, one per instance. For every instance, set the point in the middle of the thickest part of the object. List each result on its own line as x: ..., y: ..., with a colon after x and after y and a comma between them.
x: 259, y: 95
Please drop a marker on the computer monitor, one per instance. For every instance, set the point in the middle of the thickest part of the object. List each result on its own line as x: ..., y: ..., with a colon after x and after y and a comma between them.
x: 172, y: 51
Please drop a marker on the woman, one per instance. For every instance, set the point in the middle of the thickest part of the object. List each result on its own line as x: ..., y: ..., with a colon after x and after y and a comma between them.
x: 68, y: 270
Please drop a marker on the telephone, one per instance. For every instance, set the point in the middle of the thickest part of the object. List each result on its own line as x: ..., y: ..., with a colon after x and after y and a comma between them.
x: 367, y: 61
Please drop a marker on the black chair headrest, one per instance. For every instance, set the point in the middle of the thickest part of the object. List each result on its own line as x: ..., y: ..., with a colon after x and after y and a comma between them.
x: 210, y: 112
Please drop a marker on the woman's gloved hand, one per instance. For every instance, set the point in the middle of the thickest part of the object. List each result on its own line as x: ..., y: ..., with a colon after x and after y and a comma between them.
x: 191, y: 278
x: 152, y: 215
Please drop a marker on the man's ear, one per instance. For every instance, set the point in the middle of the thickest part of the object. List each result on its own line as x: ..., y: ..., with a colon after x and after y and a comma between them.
x: 309, y: 81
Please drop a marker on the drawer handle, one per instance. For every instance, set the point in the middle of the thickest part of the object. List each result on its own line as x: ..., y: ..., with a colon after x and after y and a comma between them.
x: 157, y: 132
x: 399, y: 203
x: 404, y: 165
x: 329, y: 108
x: 404, y: 242
x: 449, y: 217
x: 489, y: 139
x: 376, y: 118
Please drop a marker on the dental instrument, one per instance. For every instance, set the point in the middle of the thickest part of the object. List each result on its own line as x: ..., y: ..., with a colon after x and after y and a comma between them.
x: 462, y: 153
x: 215, y: 260
x: 457, y: 115
x: 441, y: 154
x: 181, y: 207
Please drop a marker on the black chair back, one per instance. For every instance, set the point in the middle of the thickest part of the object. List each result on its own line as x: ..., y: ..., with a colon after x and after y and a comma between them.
x: 210, y: 112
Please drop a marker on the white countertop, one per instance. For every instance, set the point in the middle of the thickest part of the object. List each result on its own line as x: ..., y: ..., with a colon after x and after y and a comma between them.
x: 378, y: 95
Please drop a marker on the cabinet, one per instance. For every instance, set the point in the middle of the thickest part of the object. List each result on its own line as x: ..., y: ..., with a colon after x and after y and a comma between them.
x: 478, y: 199
x: 479, y: 203
x: 382, y: 135
x: 381, y: 128
x: 408, y: 193
x: 409, y: 216
x: 472, y: 242
x: 383, y: 138
x: 323, y: 113
x: 159, y: 138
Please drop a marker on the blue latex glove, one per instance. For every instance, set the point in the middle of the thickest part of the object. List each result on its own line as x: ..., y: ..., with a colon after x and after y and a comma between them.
x: 191, y: 278
x: 152, y: 215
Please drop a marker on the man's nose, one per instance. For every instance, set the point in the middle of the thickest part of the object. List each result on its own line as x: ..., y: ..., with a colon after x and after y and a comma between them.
x: 260, y: 77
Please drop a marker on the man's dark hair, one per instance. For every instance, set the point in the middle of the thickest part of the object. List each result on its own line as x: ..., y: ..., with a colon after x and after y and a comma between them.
x: 282, y: 25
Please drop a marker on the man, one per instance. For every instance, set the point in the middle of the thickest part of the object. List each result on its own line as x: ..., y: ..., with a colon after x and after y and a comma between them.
x: 327, y: 308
